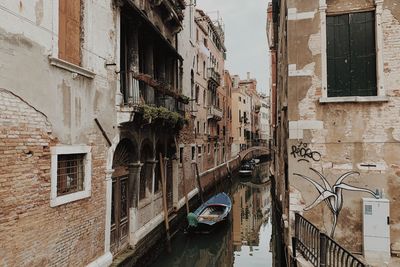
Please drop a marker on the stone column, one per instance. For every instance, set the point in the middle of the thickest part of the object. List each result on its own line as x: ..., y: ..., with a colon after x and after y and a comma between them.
x: 149, y: 67
x: 152, y: 167
x: 134, y: 180
x: 133, y: 56
x: 108, y: 180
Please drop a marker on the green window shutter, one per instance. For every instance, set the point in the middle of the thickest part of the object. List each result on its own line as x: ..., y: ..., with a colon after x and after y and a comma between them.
x: 363, y: 54
x: 338, y: 56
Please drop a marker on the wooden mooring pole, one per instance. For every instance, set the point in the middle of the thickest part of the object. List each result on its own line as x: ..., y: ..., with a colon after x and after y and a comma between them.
x: 199, y: 183
x: 165, y: 206
x: 185, y: 189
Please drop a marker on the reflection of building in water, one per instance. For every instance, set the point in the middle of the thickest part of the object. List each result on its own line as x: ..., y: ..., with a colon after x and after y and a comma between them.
x: 209, y: 250
x: 248, y: 215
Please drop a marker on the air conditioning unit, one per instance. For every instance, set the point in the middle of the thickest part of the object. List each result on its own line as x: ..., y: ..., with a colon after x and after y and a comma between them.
x: 376, y: 230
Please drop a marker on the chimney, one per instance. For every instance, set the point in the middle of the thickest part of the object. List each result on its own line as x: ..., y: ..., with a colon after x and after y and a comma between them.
x: 248, y: 76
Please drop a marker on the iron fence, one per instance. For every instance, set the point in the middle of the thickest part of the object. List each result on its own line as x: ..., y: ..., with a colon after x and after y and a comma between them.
x: 307, y: 239
x: 332, y: 254
x: 318, y: 248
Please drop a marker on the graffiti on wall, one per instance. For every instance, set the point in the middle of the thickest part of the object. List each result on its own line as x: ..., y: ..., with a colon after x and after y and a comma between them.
x: 332, y: 195
x: 302, y: 152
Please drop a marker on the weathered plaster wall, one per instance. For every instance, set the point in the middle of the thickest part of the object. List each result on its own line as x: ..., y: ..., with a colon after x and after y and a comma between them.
x: 343, y: 135
x: 28, y: 35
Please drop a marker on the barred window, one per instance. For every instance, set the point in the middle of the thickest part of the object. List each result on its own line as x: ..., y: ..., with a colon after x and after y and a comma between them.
x: 70, y: 173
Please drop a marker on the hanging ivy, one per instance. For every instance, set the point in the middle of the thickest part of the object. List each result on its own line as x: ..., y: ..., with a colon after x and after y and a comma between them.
x: 163, y: 116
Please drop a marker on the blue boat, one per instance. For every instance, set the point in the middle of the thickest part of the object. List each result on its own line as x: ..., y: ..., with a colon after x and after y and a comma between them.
x: 210, y: 214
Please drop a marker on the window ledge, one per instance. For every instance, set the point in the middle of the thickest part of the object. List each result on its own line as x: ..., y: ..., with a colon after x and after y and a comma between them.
x: 69, y: 198
x: 71, y: 67
x: 349, y: 99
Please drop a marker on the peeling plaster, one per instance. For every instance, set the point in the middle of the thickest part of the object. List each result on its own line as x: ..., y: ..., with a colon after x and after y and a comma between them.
x: 314, y: 43
x: 39, y: 12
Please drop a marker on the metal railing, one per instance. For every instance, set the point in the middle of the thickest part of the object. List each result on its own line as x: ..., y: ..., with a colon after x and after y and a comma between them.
x: 332, y: 254
x: 214, y: 113
x: 307, y: 239
x: 318, y: 248
x: 134, y: 94
x: 213, y: 74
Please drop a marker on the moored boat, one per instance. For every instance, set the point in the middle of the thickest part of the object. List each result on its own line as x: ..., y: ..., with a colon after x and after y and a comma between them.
x: 246, y: 169
x: 210, y: 214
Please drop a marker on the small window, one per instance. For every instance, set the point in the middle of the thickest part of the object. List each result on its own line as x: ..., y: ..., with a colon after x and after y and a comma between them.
x: 181, y: 154
x: 193, y: 152
x: 197, y: 93
x: 70, y: 174
x: 197, y: 63
x: 199, y: 150
x: 208, y: 148
x: 240, y: 99
x: 351, y: 55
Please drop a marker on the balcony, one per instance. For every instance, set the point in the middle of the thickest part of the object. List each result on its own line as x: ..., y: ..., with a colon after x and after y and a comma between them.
x: 214, y: 113
x: 174, y: 9
x: 214, y: 76
x: 142, y: 90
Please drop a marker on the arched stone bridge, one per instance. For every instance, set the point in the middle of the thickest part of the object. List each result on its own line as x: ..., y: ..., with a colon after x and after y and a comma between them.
x: 253, y: 152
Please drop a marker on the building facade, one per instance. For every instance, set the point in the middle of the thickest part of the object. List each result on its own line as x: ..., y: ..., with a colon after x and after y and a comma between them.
x: 263, y: 118
x: 336, y: 132
x: 241, y: 118
x: 209, y: 91
x: 100, y: 101
x: 57, y: 95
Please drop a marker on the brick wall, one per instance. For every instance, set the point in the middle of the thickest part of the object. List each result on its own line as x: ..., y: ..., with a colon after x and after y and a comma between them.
x: 31, y: 232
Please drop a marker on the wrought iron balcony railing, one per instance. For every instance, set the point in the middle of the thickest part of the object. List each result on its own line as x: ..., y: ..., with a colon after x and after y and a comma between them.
x: 214, y: 76
x: 214, y: 113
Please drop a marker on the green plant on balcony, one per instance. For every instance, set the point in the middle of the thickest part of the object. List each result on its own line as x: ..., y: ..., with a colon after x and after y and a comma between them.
x: 163, y: 116
x: 184, y: 99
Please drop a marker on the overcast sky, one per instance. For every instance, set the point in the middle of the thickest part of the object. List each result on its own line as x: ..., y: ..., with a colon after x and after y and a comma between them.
x: 245, y: 36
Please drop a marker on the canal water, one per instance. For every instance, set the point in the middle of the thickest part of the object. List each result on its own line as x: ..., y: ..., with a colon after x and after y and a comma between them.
x: 244, y: 240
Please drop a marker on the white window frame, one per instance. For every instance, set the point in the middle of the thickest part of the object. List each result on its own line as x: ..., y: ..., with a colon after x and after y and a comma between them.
x: 381, y: 93
x: 68, y: 150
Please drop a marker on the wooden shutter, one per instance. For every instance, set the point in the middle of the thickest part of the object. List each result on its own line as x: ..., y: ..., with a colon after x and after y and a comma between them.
x: 338, y: 56
x: 363, y: 54
x: 69, y: 43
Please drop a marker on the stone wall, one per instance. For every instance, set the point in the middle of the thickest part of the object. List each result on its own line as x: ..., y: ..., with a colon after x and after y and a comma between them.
x: 32, y: 232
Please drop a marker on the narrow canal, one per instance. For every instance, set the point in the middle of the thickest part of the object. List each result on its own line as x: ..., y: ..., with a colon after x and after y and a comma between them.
x: 243, y: 241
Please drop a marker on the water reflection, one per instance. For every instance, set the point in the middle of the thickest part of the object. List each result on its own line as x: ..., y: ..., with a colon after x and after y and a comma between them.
x: 251, y: 231
x: 242, y: 241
